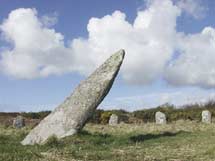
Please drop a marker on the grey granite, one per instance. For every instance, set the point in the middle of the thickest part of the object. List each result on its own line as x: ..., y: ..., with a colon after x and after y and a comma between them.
x: 70, y: 117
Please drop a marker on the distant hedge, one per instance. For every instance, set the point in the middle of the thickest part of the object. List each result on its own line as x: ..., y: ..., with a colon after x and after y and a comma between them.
x: 35, y: 115
x: 187, y: 112
x: 102, y: 117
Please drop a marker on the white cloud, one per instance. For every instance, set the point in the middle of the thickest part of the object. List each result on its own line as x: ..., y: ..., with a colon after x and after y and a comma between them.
x: 154, y: 99
x: 194, y: 8
x: 36, y: 50
x: 150, y: 42
x: 148, y: 46
x: 196, y: 63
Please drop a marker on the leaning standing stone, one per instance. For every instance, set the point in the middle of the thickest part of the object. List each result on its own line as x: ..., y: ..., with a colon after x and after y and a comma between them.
x: 206, y: 116
x: 70, y: 117
x: 19, y: 122
x: 114, y: 120
x: 160, y: 118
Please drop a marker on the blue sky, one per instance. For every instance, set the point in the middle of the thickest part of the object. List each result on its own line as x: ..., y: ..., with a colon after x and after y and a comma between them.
x: 152, y: 33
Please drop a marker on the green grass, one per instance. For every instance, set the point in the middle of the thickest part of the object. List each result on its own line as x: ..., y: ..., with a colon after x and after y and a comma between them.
x: 179, y: 141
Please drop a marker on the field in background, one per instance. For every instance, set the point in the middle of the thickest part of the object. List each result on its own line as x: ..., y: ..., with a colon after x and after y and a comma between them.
x: 177, y: 141
x: 191, y: 112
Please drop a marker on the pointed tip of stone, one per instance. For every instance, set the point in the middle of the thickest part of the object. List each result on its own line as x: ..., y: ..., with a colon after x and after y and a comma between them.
x: 119, y: 55
x: 121, y: 52
x: 116, y: 58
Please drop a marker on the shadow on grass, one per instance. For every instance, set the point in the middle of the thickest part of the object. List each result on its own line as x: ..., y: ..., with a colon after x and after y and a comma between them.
x: 142, y: 137
x: 85, y: 137
x: 96, y: 134
x: 101, y: 139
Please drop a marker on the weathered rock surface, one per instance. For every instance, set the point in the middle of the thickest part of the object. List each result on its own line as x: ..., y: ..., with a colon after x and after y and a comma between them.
x: 70, y: 117
x: 19, y: 122
x: 206, y: 116
x: 114, y: 120
x: 160, y: 118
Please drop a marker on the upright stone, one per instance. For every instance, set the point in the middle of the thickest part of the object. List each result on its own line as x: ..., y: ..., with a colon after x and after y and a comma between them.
x: 19, y: 122
x: 114, y: 120
x: 206, y: 116
x: 160, y: 118
x: 70, y: 117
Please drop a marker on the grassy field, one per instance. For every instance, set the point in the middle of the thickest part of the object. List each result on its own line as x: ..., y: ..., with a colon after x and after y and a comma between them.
x: 179, y: 141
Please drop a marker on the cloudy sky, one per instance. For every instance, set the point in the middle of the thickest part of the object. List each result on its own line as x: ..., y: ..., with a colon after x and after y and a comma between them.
x: 48, y: 47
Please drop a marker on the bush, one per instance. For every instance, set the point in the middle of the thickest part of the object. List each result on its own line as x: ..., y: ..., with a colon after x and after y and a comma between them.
x: 96, y: 118
x: 105, y: 116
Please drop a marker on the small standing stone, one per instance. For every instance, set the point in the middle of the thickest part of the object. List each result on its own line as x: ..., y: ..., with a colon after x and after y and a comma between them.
x: 19, y: 122
x: 206, y: 116
x: 114, y: 120
x: 160, y: 118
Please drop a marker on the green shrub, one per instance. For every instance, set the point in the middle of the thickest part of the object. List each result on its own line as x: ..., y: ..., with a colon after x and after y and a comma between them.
x: 105, y: 116
x: 35, y: 115
x: 96, y: 117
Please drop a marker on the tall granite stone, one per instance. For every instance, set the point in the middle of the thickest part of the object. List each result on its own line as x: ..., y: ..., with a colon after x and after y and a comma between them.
x: 160, y: 118
x: 206, y: 116
x: 114, y: 120
x: 70, y: 117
